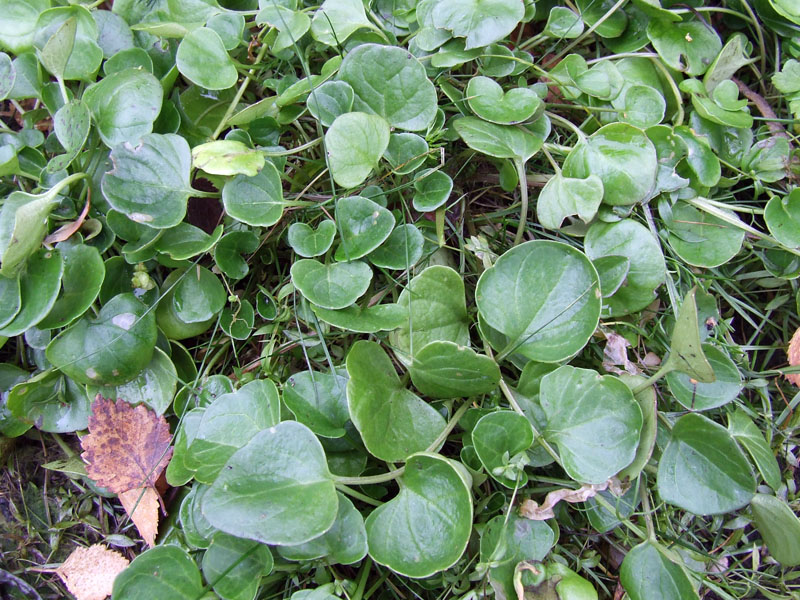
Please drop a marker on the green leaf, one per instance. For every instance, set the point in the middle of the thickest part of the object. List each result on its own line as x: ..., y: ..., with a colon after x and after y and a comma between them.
x: 111, y: 349
x: 700, y: 158
x: 227, y: 157
x: 647, y: 573
x: 275, y: 490
x: 83, y: 276
x: 705, y: 396
x: 234, y: 566
x: 406, y: 152
x: 779, y: 527
x: 331, y: 286
x: 646, y: 271
x: 330, y: 100
x: 500, y: 141
x: 544, y: 296
x: 686, y: 353
x: 150, y: 182
x: 344, y: 543
x: 337, y: 20
x: 66, y: 38
x: 392, y: 421
x: 51, y: 402
x: 435, y: 309
x: 355, y: 143
x: 609, y: 23
x: 39, y: 285
x: 10, y: 300
x: 161, y: 572
x: 203, y: 60
x: 124, y: 105
x: 198, y: 296
x: 426, y: 527
x: 783, y: 218
x: 702, y: 470
x: 237, y: 321
x: 318, y: 401
x: 562, y: 23
x: 562, y: 197
x: 292, y: 24
x: 229, y: 250
x: 154, y: 387
x: 702, y: 239
x: 499, y: 436
x: 766, y: 160
x: 608, y: 153
x: 363, y: 226
x: 71, y: 124
x: 487, y: 100
x: 308, y: 242
x: 593, y: 419
x: 401, y: 250
x: 689, y: 46
x: 746, y: 433
x: 186, y: 241
x: 390, y: 82
x: 18, y: 25
x: 647, y: 438
x: 443, y: 369
x: 431, y: 190
x: 644, y: 106
x: 381, y: 317
x: 481, y: 22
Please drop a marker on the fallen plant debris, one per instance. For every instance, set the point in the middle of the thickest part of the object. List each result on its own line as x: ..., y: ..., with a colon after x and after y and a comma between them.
x: 89, y: 573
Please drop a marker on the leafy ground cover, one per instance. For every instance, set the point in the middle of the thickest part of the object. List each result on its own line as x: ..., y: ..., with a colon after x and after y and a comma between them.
x: 399, y: 299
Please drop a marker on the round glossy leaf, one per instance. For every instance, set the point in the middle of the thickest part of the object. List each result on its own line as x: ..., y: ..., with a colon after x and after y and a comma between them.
x: 186, y: 241
x: 381, y: 317
x: 544, y: 296
x: 444, y: 369
x: 345, y: 543
x: 155, y: 386
x: 426, y: 527
x: 257, y: 200
x: 648, y: 574
x: 647, y: 438
x: 780, y: 528
x: 363, y: 226
x: 783, y: 218
x: 500, y: 141
x: 50, y: 402
x: 563, y: 23
x: 10, y: 300
x: 203, y: 60
x: 562, y: 197
x: 336, y: 20
x: 149, y: 182
x: 609, y: 154
x: 318, y: 401
x: 434, y: 308
x: 19, y: 23
x: 124, y: 105
x: 227, y: 157
x: 401, y: 250
x: 689, y: 46
x: 702, y: 239
x: 229, y: 26
x: 406, y: 152
x: 291, y: 24
x: 497, y: 437
x: 703, y: 470
x: 328, y: 101
x: 481, y: 22
x: 198, y: 296
x: 644, y: 106
x: 74, y: 55
x: 228, y: 253
x: 111, y: 349
x: 705, y: 396
x: 593, y: 419
x: 487, y: 100
x: 646, y: 271
x: 308, y: 242
x: 234, y: 566
x: 390, y: 82
x: 161, y: 572
x: 612, y: 269
x: 355, y: 143
x: 392, y: 421
x: 39, y: 286
x: 276, y: 489
x: 80, y: 284
x: 431, y: 190
x: 332, y: 286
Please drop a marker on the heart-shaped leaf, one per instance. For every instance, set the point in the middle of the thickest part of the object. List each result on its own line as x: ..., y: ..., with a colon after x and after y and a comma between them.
x: 487, y: 100
x: 73, y: 54
x: 392, y: 421
x: 80, y: 284
x: 401, y: 250
x: 228, y: 253
x: 688, y: 46
x: 443, y: 369
x: 292, y: 24
x: 308, y: 242
x: 647, y: 573
x: 186, y: 241
x: 406, y: 152
x: 363, y: 226
x: 198, y: 296
x: 329, y: 100
x: 337, y: 20
x: 203, y: 60
x: 235, y: 566
x: 426, y: 527
x: 702, y: 470
x: 318, y: 401
x: 500, y: 141
x: 481, y: 22
x: 355, y: 143
x: 703, y: 239
x: 163, y: 571
x: 275, y: 490
x: 783, y: 218
x: 562, y: 197
x: 432, y: 189
x: 110, y: 349
x: 498, y: 437
x: 593, y: 419
x: 150, y: 181
x: 544, y: 297
x: 332, y: 286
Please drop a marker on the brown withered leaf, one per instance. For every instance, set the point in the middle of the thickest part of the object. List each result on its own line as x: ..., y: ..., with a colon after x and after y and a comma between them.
x: 794, y: 358
x: 141, y: 504
x: 127, y: 447
x: 89, y: 572
x: 532, y: 510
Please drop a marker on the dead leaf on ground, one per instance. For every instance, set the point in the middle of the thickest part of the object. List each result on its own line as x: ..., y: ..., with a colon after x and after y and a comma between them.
x: 64, y: 232
x: 141, y: 504
x: 616, y: 353
x: 532, y: 510
x: 127, y: 447
x: 794, y: 358
x: 89, y: 572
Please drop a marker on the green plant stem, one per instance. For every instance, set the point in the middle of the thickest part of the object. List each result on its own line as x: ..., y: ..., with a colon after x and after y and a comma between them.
x: 515, y: 405
x: 357, y: 495
x: 523, y: 195
x: 646, y: 510
x: 294, y: 150
x: 589, y: 31
x: 612, y: 509
x: 566, y: 123
x: 361, y: 579
x: 675, y: 91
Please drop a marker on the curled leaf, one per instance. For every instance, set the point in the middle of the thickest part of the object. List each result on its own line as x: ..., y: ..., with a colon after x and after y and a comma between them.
x: 532, y: 510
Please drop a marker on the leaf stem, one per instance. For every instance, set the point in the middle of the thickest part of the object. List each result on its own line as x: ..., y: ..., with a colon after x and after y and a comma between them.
x: 523, y: 195
x: 369, y: 479
x: 675, y: 91
x: 356, y: 494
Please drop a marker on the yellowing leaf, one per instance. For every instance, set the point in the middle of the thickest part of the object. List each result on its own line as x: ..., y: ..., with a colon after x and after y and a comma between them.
x: 89, y: 572
x: 141, y: 504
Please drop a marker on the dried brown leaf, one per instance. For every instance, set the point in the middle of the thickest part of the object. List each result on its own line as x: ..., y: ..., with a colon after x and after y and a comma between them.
x: 794, y: 358
x: 141, y: 504
x: 89, y: 572
x: 64, y: 232
x: 127, y: 447
x: 616, y: 353
x: 532, y: 510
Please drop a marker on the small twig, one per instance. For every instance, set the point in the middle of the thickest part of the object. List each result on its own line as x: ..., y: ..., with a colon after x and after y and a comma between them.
x: 764, y: 108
